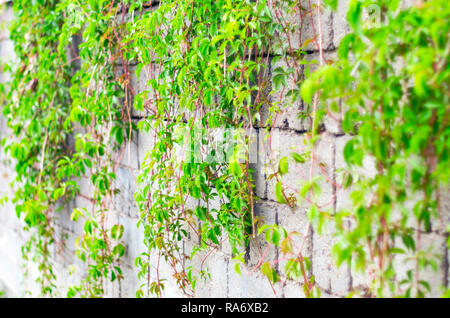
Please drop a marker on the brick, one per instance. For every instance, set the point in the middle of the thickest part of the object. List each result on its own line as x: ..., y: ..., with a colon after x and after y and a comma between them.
x: 123, y: 202
x: 301, y: 28
x: 443, y: 220
x: 327, y: 276
x: 141, y: 85
x: 259, y: 249
x: 272, y: 148
x: 146, y: 141
x: 367, y: 171
x: 249, y: 285
x: 289, y: 289
x: 282, y: 144
x: 332, y: 121
x: 279, y: 111
x: 128, y: 289
x: 217, y: 286
x: 436, y: 245
x: 296, y: 221
x: 288, y: 115
x: 340, y: 25
x: 133, y: 237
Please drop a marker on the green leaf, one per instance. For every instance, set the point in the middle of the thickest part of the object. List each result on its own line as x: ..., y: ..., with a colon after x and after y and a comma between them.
x: 279, y: 193
x: 332, y: 4
x: 354, y: 14
x: 409, y: 242
x: 270, y: 272
x: 88, y: 227
x: 275, y: 236
x: 298, y: 158
x: 283, y: 166
x: 237, y: 268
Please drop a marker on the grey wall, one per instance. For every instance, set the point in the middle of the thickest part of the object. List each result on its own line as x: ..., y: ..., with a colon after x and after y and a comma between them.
x: 287, y: 135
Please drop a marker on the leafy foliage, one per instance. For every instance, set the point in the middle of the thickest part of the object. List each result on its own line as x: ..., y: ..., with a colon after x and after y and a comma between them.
x: 392, y: 79
x: 48, y: 106
x: 205, y: 73
x: 208, y: 60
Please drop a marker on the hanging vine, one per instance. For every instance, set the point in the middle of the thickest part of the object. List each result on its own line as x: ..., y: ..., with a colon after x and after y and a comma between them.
x: 209, y: 72
x: 201, y: 77
x: 392, y: 80
x: 50, y: 105
x: 36, y: 110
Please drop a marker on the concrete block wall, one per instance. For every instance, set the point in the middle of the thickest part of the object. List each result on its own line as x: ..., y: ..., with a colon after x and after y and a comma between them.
x: 288, y: 135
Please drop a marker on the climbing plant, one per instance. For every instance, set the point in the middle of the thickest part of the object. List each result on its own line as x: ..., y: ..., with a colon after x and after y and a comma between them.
x: 391, y: 81
x: 66, y: 124
x: 100, y: 105
x: 211, y: 72
x: 36, y: 110
x: 390, y: 84
x: 200, y: 61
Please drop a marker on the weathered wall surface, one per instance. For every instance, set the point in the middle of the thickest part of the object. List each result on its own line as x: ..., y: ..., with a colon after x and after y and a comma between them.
x: 288, y: 134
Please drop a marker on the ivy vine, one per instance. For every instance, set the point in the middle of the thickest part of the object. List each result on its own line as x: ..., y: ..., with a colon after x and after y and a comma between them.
x: 208, y: 85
